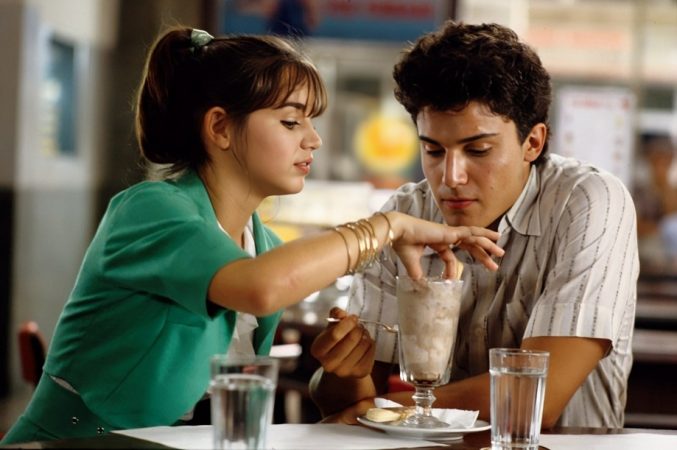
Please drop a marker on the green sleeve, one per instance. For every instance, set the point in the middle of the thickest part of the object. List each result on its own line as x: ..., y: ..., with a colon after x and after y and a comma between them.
x: 158, y: 241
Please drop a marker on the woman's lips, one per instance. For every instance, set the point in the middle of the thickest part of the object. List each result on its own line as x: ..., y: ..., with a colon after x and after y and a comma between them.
x: 304, y: 167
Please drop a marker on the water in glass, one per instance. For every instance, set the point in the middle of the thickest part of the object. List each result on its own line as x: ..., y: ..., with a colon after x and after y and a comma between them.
x: 242, y: 408
x: 517, y: 405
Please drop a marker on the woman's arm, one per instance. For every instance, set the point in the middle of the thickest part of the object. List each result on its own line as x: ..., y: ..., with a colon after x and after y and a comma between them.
x: 291, y: 272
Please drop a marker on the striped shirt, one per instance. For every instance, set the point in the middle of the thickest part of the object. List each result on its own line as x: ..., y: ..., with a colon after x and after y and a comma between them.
x: 570, y: 269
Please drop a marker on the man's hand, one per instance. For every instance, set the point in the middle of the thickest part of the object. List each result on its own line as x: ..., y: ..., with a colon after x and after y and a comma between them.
x: 349, y: 415
x: 345, y: 348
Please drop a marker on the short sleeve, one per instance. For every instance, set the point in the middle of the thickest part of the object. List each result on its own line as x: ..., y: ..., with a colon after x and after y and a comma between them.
x: 156, y: 240
x: 591, y: 285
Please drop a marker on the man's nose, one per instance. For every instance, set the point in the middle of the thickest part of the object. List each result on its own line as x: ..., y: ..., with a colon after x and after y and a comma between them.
x: 455, y: 173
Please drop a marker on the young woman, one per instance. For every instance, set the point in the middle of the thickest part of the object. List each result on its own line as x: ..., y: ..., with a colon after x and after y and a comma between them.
x: 182, y: 269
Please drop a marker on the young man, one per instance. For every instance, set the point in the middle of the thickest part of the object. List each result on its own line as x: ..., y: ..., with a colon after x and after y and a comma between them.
x: 567, y: 283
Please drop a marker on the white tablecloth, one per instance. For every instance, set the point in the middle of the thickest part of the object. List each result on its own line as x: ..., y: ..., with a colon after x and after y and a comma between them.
x: 634, y: 441
x: 283, y: 437
x: 334, y: 436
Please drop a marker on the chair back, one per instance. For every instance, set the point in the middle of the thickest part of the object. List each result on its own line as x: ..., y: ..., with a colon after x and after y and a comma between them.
x: 32, y: 350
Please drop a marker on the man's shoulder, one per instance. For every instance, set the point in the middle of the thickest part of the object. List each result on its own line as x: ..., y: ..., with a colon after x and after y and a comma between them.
x: 565, y: 173
x: 413, y: 189
x: 414, y: 198
x: 568, y: 182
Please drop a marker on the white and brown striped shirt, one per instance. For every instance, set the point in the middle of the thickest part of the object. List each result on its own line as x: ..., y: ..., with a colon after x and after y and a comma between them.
x: 570, y: 269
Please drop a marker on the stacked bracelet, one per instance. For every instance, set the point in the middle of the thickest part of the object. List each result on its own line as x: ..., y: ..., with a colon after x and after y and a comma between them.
x: 367, y: 242
x: 390, y: 234
x: 345, y: 241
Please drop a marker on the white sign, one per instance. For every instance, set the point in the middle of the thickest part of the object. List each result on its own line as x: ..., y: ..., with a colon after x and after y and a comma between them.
x: 596, y: 125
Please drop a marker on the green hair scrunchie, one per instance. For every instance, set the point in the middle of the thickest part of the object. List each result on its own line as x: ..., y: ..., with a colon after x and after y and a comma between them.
x: 199, y: 38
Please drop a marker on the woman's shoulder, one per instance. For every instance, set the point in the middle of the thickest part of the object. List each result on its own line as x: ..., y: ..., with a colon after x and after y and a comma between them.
x: 147, y: 191
x: 152, y: 199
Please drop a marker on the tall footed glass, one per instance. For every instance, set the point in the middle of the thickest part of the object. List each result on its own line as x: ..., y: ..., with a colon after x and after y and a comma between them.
x: 428, y: 311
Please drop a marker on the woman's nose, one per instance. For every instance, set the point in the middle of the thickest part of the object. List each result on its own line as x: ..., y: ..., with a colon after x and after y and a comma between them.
x: 313, y: 140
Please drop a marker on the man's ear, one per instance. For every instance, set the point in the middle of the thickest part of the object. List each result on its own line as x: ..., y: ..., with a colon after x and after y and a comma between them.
x: 215, y: 130
x: 533, y: 144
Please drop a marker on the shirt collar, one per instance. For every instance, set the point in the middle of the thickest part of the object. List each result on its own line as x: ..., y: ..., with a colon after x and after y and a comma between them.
x: 523, y: 216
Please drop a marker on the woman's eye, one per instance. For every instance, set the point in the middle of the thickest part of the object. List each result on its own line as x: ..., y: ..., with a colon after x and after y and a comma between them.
x: 290, y: 123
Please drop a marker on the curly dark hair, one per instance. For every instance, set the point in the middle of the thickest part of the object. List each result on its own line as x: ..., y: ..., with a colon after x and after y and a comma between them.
x: 460, y: 63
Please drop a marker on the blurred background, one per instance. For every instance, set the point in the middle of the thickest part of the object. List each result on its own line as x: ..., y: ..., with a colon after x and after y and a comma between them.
x: 69, y: 70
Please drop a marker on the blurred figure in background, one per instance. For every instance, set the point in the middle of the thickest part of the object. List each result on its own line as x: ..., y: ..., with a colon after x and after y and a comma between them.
x: 297, y: 18
x: 655, y: 196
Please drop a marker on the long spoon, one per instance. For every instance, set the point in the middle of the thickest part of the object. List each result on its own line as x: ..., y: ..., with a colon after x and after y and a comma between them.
x: 388, y: 328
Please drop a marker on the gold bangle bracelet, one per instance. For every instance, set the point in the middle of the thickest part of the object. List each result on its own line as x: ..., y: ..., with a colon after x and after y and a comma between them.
x: 345, y: 241
x: 370, y: 244
x: 372, y: 240
x: 367, y: 243
x: 372, y: 233
x: 361, y: 244
x: 390, y: 235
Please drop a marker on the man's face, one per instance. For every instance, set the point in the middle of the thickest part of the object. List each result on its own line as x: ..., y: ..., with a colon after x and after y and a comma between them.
x: 474, y: 162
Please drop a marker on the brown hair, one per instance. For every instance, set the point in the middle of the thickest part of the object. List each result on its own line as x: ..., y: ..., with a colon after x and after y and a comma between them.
x: 241, y: 74
x: 460, y: 63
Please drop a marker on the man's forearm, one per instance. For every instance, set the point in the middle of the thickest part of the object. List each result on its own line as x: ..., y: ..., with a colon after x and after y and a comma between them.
x: 471, y: 393
x: 332, y: 394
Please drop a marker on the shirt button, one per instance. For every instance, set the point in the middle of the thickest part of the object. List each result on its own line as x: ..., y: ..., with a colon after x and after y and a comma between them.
x: 99, y: 430
x: 74, y: 420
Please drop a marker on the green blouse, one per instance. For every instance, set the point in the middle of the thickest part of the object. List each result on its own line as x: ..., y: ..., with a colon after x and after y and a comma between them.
x: 137, y: 333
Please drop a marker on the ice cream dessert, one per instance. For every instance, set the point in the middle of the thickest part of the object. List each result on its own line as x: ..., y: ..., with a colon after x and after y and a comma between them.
x: 428, y: 320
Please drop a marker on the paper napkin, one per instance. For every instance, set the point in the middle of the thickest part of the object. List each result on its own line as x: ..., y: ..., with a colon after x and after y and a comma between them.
x: 456, y: 418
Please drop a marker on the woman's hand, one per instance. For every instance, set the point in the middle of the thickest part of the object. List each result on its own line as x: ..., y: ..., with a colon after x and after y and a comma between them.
x: 345, y: 348
x: 412, y: 235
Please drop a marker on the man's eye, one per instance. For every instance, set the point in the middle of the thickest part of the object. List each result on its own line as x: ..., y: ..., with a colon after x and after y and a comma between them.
x: 478, y: 151
x: 434, y: 152
x: 290, y: 123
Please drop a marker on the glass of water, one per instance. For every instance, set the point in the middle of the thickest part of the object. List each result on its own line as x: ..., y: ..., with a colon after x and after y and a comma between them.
x: 242, y: 397
x: 428, y: 311
x: 517, y: 392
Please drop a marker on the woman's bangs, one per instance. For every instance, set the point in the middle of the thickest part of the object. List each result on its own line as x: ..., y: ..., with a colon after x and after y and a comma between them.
x: 298, y: 75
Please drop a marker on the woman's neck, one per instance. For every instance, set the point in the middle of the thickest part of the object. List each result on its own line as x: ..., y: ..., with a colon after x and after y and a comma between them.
x: 233, y: 203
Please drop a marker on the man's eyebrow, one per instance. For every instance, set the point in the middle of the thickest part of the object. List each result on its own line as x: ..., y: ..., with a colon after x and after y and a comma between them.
x: 428, y: 140
x: 476, y: 137
x: 465, y: 140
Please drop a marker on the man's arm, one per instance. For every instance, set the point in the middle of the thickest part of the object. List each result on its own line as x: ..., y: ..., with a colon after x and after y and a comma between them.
x: 571, y: 361
x: 342, y: 399
x: 348, y: 374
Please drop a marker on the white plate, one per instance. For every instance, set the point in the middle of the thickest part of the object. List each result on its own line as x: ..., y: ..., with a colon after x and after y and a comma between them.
x: 433, y: 434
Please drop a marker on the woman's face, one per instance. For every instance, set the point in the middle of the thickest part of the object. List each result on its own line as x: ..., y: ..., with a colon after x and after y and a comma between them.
x: 279, y: 146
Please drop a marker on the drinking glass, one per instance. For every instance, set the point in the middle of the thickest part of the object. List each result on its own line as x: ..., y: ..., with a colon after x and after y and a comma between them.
x: 428, y: 311
x: 242, y: 396
x: 517, y: 392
